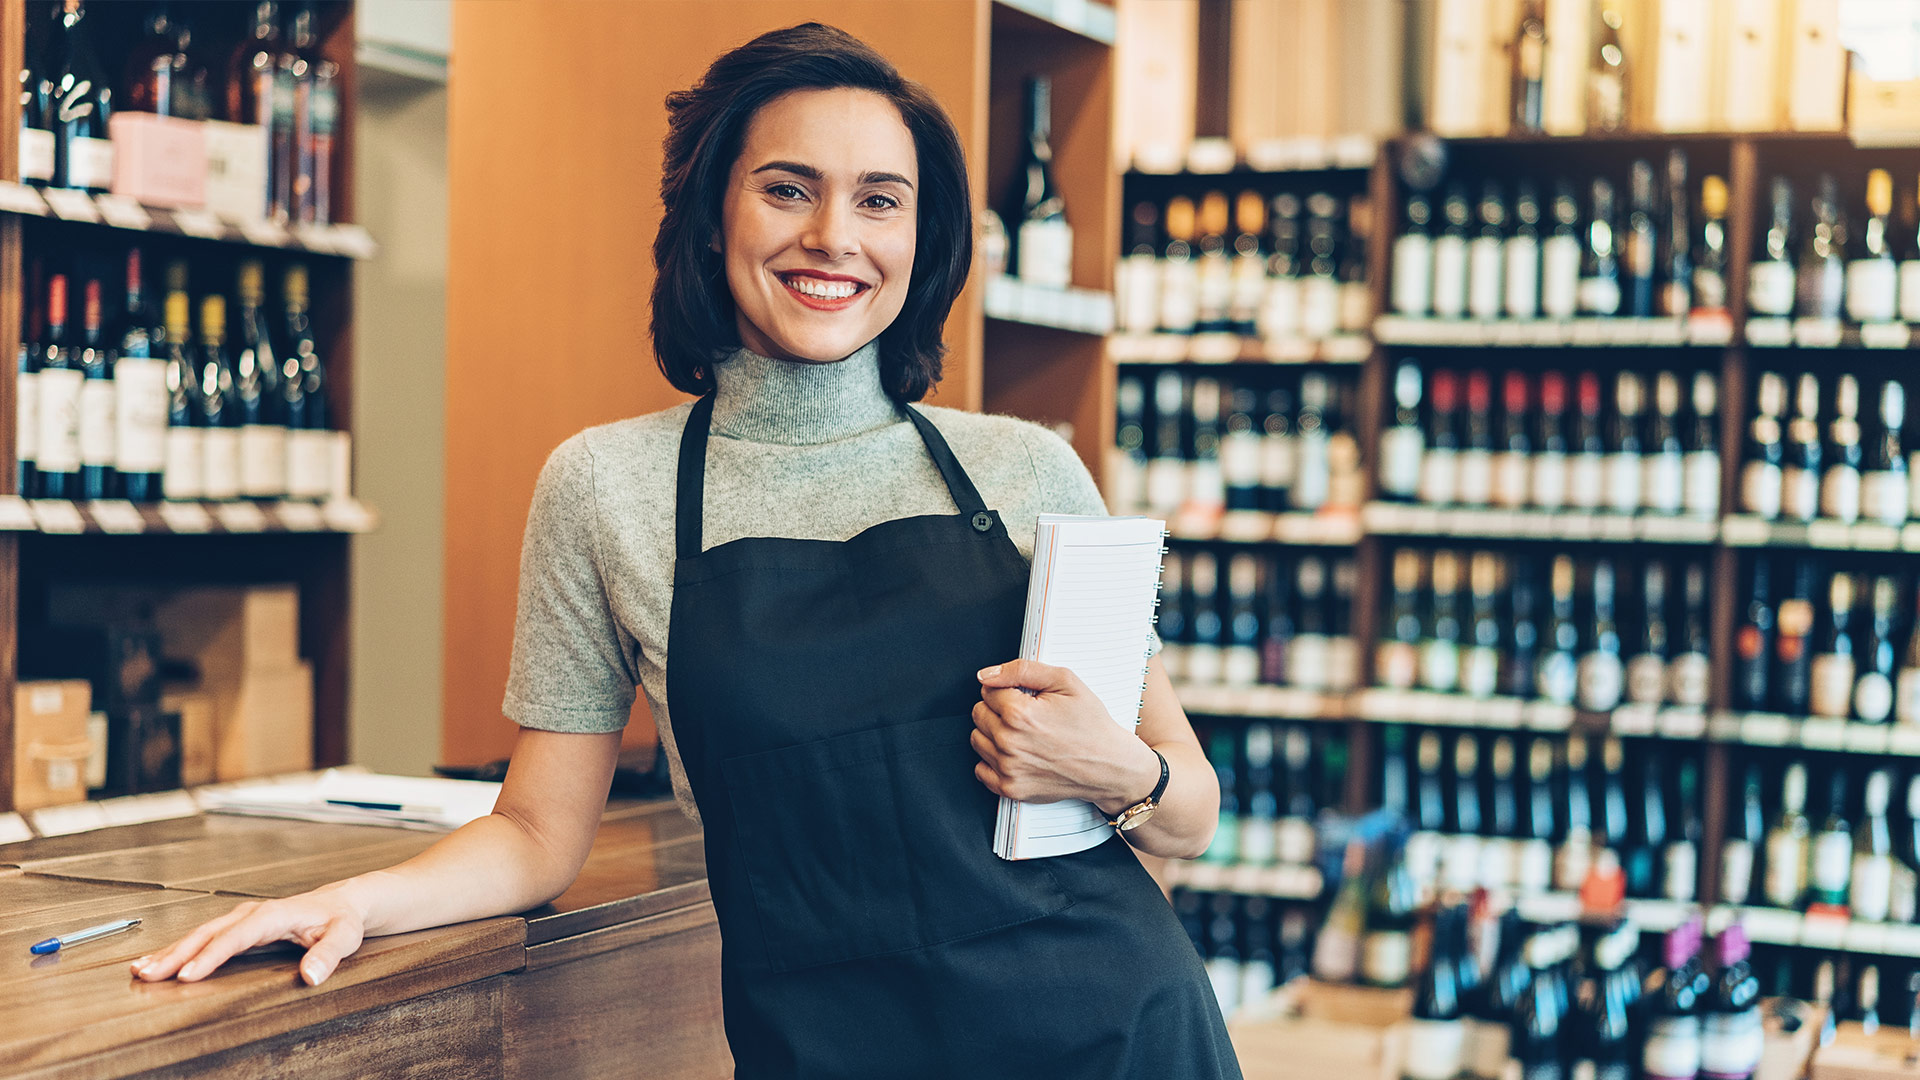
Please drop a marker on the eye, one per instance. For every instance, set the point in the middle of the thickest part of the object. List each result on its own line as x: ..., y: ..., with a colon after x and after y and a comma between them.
x: 784, y: 190
x: 877, y: 201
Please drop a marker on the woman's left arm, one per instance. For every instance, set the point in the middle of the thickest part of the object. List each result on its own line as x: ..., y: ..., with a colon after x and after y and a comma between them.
x: 1063, y: 744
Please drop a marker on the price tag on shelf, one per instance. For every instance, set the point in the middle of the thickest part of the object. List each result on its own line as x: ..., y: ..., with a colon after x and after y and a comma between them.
x: 1874, y: 536
x: 123, y: 212
x: 117, y: 516
x: 315, y: 238
x: 1724, y: 727
x: 1744, y: 530
x: 1632, y: 720
x: 1816, y: 333
x: 71, y: 205
x: 1868, y: 738
x: 67, y: 820
x: 1547, y: 716
x: 299, y: 516
x: 265, y: 233
x: 1834, y: 535
x: 240, y: 517
x: 1901, y: 940
x: 1885, y: 335
x: 1246, y: 879
x: 1766, y: 729
x: 204, y: 224
x: 1716, y: 329
x: 1770, y: 333
x: 13, y: 828
x: 1682, y: 723
x: 1771, y: 925
x: 57, y: 516
x: 21, y: 199
x: 1824, y: 931
x: 1866, y: 937
x: 1823, y: 733
x: 1904, y: 739
x: 186, y: 517
x: 15, y: 514
x: 153, y: 806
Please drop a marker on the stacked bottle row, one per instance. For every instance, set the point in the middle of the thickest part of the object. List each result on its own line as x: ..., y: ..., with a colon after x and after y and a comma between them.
x: 1857, y: 857
x: 1826, y: 257
x: 1813, y: 638
x: 1275, y: 779
x: 1258, y: 617
x: 129, y: 389
x: 1292, y: 265
x: 1835, y: 450
x: 1637, y: 245
x: 1201, y: 446
x: 1251, y: 944
x: 1593, y: 633
x: 1628, y: 443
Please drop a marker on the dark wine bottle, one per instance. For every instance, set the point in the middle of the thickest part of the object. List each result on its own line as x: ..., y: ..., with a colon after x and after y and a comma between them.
x: 36, y: 146
x: 1884, y: 484
x: 316, y: 107
x: 1676, y: 286
x: 1688, y: 673
x: 218, y: 417
x: 185, y: 475
x: 1873, y: 278
x: 1746, y: 832
x: 1646, y: 668
x: 1521, y: 647
x: 60, y: 385
x: 1386, y: 946
x: 1710, y: 265
x: 1832, y: 667
x: 94, y: 356
x: 1874, y: 659
x: 1602, y: 675
x: 140, y: 393
x: 1626, y: 449
x: 1762, y: 475
x: 1830, y: 867
x: 1575, y: 853
x: 1840, y: 484
x: 1641, y: 241
x: 1731, y: 1035
x: 83, y: 103
x: 1672, y: 1047
x: 1680, y: 881
x: 1450, y: 256
x: 1510, y: 479
x: 1523, y: 254
x: 1436, y: 1033
x: 1540, y: 1022
x: 303, y: 382
x: 1486, y: 291
x: 1822, y: 268
x: 1770, y: 281
x: 1600, y: 288
x: 1396, y: 662
x: 1648, y: 841
x: 1753, y: 644
x: 1792, y: 675
x: 1561, y: 256
x: 1558, y: 680
x: 1547, y: 483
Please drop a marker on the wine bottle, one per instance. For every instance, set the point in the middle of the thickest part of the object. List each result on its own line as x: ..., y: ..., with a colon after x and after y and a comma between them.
x: 1295, y: 841
x: 1320, y: 286
x: 1547, y: 484
x: 1871, y: 891
x: 1884, y: 481
x: 1873, y: 687
x: 1575, y: 853
x: 1600, y: 290
x: 1541, y: 1019
x: 1223, y: 952
x: 1840, y: 485
x: 1603, y: 1022
x: 1602, y: 677
x: 1396, y: 662
x: 1646, y: 669
x: 1761, y: 477
x: 1910, y: 266
x: 1460, y: 861
x: 26, y: 394
x: 1688, y: 673
x: 1127, y: 464
x: 1356, y: 292
x: 1476, y: 451
x: 1800, y: 477
x: 1510, y: 479
x: 1240, y: 656
x: 1205, y: 487
x: 1746, y: 830
x: 185, y: 473
x: 1522, y: 254
x: 257, y: 394
x: 36, y: 147
x: 1829, y: 868
x: 1700, y: 472
x: 1520, y: 654
x: 1710, y: 263
x: 1308, y: 653
x: 1259, y: 819
x: 1429, y: 817
x: 218, y: 416
x: 1223, y: 752
x: 1792, y: 644
x: 1676, y: 289
x: 1136, y: 281
x: 1664, y: 462
x: 1439, y: 467
x: 1906, y: 693
x: 1313, y: 466
x: 1560, y: 257
x: 1440, y: 651
x: 1607, y: 72
x: 1279, y: 452
x: 1259, y: 968
x: 1559, y: 664
x: 156, y: 70
x: 94, y: 357
x: 1680, y: 872
x: 1499, y: 854
x: 1732, y: 1038
x: 1587, y: 469
x: 1533, y: 862
x: 60, y: 384
x: 316, y: 108
x: 303, y: 380
x: 1489, y: 1009
x: 1672, y: 1047
x: 1179, y: 277
x: 1770, y: 280
x: 1249, y: 290
x: 1640, y: 242
x: 1903, y: 889
x: 1450, y: 256
x: 1787, y: 843
x: 1624, y: 446
x: 1648, y: 841
x: 1867, y: 1000
x: 1613, y: 795
x: 83, y: 103
x: 1280, y: 310
x: 1386, y: 947
x: 1873, y: 278
x: 1486, y: 291
x: 259, y: 93
x: 1402, y: 445
x: 1204, y: 625
x: 1832, y: 668
x: 1336, y: 953
x: 1822, y: 269
x: 140, y: 394
x: 1276, y: 638
x: 1753, y: 644
x: 1436, y: 1032
x: 1394, y: 798
x: 1213, y: 266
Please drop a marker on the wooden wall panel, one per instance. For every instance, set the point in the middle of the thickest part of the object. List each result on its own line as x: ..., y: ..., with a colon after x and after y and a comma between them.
x: 554, y: 128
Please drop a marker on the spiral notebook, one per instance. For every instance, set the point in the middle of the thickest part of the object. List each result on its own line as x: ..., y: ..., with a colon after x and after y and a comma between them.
x: 1090, y: 607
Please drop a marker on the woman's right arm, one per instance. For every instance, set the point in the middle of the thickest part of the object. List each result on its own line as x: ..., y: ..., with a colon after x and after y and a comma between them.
x: 525, y: 853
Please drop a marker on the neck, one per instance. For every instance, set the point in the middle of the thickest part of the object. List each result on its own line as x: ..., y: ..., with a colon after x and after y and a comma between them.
x: 795, y: 403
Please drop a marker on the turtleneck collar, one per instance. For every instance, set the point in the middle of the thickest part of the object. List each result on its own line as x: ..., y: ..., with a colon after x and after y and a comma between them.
x: 798, y: 404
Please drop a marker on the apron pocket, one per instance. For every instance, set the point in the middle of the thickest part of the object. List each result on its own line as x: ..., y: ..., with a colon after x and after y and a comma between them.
x: 877, y: 841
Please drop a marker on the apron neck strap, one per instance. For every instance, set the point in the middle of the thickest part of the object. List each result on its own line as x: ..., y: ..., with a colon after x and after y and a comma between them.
x: 690, y: 481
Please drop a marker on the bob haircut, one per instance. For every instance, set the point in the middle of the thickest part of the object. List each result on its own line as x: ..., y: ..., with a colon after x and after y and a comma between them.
x: 693, y: 311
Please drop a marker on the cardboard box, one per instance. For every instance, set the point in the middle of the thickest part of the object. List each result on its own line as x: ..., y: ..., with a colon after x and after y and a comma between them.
x: 1854, y: 1054
x: 159, y: 160
x: 50, y: 744
x: 236, y: 170
x: 1365, y: 1005
x: 1303, y: 1048
x: 1785, y: 1054
x: 263, y: 722
x: 198, y: 732
x: 1883, y: 110
x: 229, y: 632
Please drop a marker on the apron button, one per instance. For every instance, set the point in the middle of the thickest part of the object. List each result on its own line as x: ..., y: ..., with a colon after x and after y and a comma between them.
x: 982, y: 521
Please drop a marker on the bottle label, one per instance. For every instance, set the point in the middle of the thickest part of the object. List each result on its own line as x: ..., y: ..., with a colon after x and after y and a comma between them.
x: 1840, y: 494
x: 1449, y: 277
x: 1736, y: 871
x: 1560, y: 277
x: 1480, y: 671
x: 1412, y: 275
x: 1786, y: 869
x: 1901, y: 894
x: 1401, y: 448
x: 1386, y: 957
x: 263, y: 461
x: 1799, y: 493
x: 90, y: 164
x: 1438, y: 477
x: 1559, y: 678
x: 1046, y: 252
x: 1731, y: 1045
x: 1136, y: 291
x: 1433, y: 1049
x: 1166, y: 479
x: 1216, y: 291
x: 1549, y: 480
x: 1203, y: 664
x: 1910, y: 290
x: 1672, y: 1050
x: 185, y: 476
x: 1497, y: 860
x: 1279, y: 462
x: 1179, y: 295
x: 1883, y: 496
x: 36, y: 155
x: 1249, y: 291
x: 1523, y: 277
x: 1319, y: 307
x: 1343, y: 663
x: 1586, y: 481
x: 1476, y: 477
x: 59, y: 449
x: 1646, y: 679
x: 1601, y: 681
x: 1257, y: 980
x: 96, y: 423
x: 1485, y: 291
x: 220, y: 463
x: 1770, y: 288
x: 1570, y: 863
x: 1873, y: 697
x: 1460, y: 863
x: 1439, y: 665
x: 1665, y: 476
x: 1623, y: 482
x: 1259, y: 840
x: 1314, y: 473
x: 1356, y: 307
x: 1760, y: 489
x: 1832, y: 860
x: 1683, y: 864
x: 26, y: 427
x: 140, y: 414
x: 1510, y: 480
x: 1906, y: 696
x: 1873, y: 290
x: 1832, y: 684
x: 1294, y: 840
x: 1397, y: 664
x: 1280, y: 312
x: 1599, y: 296
x: 1687, y: 679
x: 1871, y: 890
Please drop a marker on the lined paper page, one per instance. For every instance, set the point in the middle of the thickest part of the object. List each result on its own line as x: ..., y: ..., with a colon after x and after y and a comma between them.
x: 1089, y: 609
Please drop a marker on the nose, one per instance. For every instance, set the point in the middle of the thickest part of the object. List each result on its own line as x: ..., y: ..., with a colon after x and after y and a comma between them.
x: 831, y: 231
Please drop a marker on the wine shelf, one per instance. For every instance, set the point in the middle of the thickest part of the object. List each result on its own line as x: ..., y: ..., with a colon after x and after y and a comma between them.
x: 1814, y: 733
x: 1236, y: 348
x: 1533, y: 333
x: 1282, y: 881
x: 119, y: 517
x: 1264, y: 702
x: 119, y: 212
x: 1828, y: 334
x: 1082, y: 311
x: 1747, y: 531
x: 1330, y: 529
x: 1404, y: 519
x: 1214, y: 157
x: 1088, y: 18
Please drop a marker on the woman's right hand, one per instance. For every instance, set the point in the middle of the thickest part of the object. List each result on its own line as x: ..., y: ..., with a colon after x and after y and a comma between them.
x: 327, y: 921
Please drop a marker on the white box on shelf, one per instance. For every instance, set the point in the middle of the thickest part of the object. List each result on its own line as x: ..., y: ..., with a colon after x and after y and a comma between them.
x: 236, y: 170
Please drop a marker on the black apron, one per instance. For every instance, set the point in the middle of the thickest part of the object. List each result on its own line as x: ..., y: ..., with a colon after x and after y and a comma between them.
x: 821, y: 694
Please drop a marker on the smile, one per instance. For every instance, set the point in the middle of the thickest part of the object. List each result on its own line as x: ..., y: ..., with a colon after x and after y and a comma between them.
x: 825, y: 294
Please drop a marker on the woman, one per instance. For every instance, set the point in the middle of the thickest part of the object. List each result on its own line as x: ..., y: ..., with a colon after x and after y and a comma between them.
x: 843, y: 707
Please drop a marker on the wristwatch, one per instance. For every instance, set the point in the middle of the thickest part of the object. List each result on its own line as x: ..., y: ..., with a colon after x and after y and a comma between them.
x: 1142, y: 810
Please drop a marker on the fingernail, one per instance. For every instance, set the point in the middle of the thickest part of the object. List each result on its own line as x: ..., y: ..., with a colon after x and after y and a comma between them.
x: 312, y: 972
x: 988, y: 672
x: 191, y: 971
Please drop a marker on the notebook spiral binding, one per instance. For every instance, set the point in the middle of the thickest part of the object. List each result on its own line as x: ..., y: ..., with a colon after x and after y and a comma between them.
x: 1159, y: 574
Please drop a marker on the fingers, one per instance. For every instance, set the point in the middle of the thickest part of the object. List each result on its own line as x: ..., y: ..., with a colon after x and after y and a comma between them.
x: 170, y: 960
x: 982, y: 745
x: 988, y: 777
x: 336, y: 944
x: 331, y: 935
x: 1030, y: 674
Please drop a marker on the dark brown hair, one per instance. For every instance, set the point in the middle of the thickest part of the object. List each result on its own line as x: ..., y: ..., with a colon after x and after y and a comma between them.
x: 693, y: 312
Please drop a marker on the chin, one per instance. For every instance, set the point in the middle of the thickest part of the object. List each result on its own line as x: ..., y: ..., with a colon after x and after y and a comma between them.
x: 815, y: 350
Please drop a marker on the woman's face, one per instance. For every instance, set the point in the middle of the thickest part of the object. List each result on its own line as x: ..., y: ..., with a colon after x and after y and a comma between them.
x: 818, y: 224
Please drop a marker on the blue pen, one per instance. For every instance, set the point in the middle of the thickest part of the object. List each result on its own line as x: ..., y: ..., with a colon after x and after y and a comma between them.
x: 55, y: 944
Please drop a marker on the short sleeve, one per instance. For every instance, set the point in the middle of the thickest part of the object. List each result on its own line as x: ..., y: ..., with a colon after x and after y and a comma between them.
x: 1066, y: 487
x: 571, y: 669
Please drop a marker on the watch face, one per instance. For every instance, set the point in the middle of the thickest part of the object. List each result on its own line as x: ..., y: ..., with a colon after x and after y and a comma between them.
x: 1135, y: 816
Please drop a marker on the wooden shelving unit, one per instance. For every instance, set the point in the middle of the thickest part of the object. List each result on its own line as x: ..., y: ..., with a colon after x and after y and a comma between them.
x: 190, y: 543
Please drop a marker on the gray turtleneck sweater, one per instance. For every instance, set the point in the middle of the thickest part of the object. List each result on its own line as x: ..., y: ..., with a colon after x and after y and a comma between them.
x: 803, y: 451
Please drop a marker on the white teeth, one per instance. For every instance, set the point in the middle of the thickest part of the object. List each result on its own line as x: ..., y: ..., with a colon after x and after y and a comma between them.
x: 825, y: 290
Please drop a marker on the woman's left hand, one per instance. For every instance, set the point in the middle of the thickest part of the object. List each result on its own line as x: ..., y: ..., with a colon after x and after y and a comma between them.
x: 1060, y: 743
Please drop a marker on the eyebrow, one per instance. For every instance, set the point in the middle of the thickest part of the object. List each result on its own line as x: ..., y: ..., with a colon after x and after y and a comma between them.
x: 812, y: 173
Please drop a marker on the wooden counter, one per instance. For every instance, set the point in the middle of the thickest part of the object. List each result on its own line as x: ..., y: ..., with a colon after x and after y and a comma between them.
x: 618, y: 976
